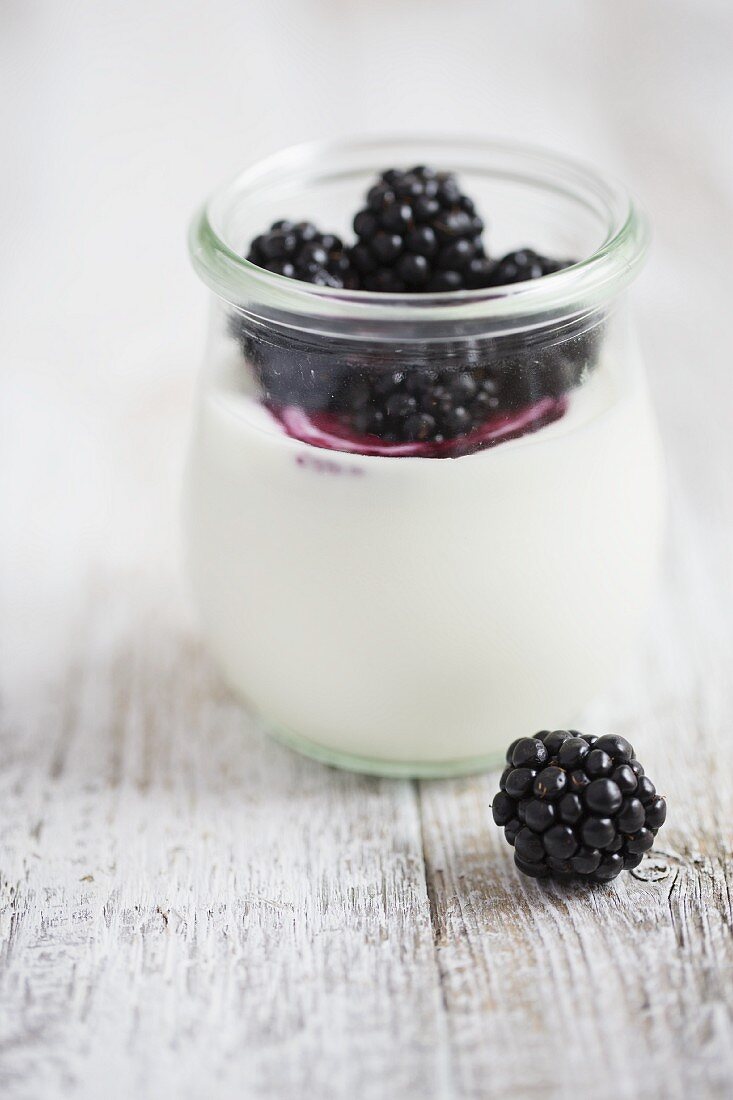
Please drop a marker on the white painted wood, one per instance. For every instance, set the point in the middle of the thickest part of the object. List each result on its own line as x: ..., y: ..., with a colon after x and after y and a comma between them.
x: 187, y: 909
x: 186, y: 905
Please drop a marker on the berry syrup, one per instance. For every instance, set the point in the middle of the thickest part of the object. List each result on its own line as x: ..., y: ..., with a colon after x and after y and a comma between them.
x: 324, y: 430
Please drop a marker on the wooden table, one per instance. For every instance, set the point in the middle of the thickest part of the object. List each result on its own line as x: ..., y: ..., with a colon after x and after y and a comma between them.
x: 188, y: 909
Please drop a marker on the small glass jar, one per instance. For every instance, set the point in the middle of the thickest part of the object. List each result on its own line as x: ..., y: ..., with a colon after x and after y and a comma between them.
x: 401, y: 605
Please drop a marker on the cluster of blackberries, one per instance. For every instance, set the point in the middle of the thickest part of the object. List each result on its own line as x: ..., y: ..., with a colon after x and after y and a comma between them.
x: 417, y: 232
x: 425, y: 405
x: 573, y: 805
x: 441, y: 393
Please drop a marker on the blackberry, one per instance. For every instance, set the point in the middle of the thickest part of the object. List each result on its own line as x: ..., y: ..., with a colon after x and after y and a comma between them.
x: 524, y: 264
x: 417, y: 403
x: 576, y: 806
x: 293, y: 369
x: 419, y: 233
x: 298, y: 250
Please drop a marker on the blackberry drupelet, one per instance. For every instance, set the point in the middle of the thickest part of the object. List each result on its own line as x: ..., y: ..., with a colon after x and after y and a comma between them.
x: 576, y: 806
x: 298, y: 250
x: 419, y: 233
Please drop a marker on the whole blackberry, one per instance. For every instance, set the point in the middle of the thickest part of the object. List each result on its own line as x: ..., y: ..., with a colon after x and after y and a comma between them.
x: 298, y: 250
x: 291, y: 369
x: 419, y: 232
x: 416, y: 403
x: 577, y: 806
x: 524, y: 264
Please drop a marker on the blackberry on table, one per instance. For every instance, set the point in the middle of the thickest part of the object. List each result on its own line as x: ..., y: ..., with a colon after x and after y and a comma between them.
x: 577, y: 814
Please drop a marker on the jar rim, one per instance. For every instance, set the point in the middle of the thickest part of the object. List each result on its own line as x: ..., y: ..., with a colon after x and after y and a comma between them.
x: 582, y: 287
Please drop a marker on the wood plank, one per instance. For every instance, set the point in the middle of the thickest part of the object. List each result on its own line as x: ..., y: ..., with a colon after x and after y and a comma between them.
x: 637, y: 973
x: 187, y: 907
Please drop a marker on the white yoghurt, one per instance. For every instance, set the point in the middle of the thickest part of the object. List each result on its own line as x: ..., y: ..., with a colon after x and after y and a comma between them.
x: 420, y: 610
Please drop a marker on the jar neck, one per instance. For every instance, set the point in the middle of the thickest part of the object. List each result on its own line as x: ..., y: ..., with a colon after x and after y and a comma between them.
x: 572, y: 296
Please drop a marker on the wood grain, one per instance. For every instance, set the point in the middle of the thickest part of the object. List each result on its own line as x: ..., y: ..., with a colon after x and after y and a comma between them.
x: 187, y: 907
x: 639, y: 973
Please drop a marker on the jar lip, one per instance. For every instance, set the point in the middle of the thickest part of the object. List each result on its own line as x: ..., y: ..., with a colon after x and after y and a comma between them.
x: 584, y: 286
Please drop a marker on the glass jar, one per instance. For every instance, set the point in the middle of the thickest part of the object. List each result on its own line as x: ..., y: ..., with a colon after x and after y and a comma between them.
x: 408, y: 602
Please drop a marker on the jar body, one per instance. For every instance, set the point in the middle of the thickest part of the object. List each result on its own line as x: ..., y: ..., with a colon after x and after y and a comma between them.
x: 410, y: 612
